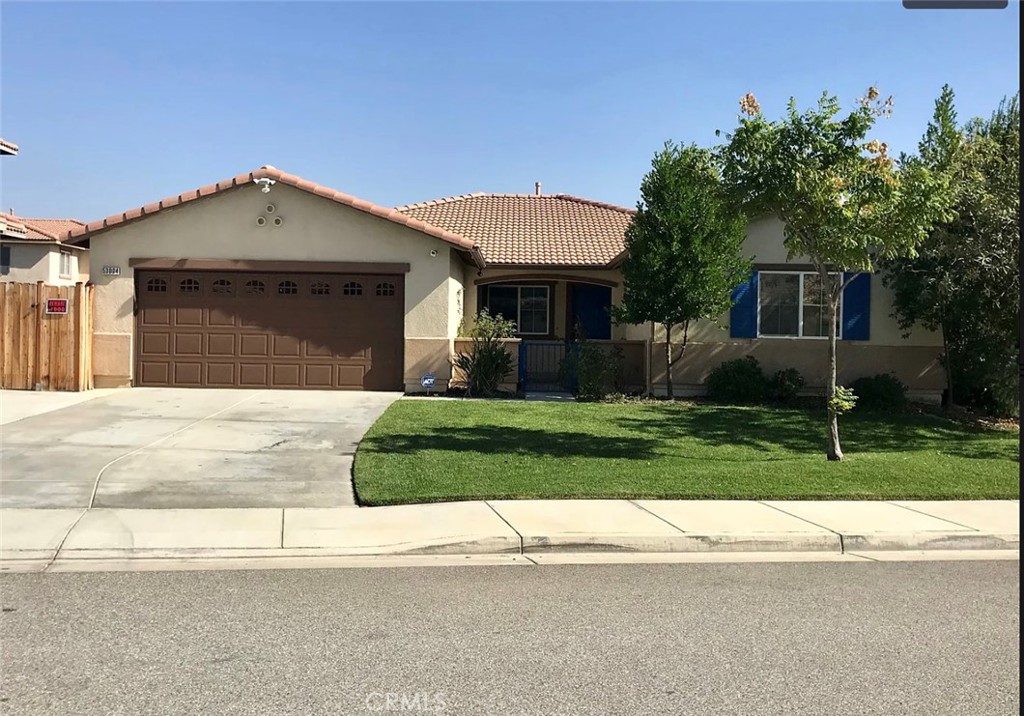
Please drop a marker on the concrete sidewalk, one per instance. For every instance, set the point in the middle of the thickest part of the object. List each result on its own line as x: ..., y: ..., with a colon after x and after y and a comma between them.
x: 43, y: 537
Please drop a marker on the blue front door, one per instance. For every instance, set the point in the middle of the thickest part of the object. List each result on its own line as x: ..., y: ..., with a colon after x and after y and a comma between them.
x: 591, y: 309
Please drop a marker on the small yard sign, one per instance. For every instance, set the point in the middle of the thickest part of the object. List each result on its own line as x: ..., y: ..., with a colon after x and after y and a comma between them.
x: 57, y: 305
x: 427, y: 381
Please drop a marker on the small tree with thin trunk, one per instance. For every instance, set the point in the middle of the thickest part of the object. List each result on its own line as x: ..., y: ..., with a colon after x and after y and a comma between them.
x: 683, y: 248
x: 845, y: 203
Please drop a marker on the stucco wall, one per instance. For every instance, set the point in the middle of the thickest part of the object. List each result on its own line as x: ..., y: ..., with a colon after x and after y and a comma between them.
x: 917, y: 366
x: 29, y: 263
x: 315, y: 229
x: 41, y: 262
x: 914, y: 359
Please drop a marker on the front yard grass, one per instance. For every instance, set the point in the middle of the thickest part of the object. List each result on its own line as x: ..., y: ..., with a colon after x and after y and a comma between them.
x: 438, y: 450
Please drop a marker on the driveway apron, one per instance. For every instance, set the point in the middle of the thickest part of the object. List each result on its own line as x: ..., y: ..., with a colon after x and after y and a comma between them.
x: 187, y: 448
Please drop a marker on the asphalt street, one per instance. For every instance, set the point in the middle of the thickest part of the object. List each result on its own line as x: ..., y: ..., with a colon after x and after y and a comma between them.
x: 927, y: 638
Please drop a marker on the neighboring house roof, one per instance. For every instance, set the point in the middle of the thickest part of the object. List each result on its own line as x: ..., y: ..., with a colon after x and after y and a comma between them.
x: 532, y: 229
x: 24, y: 229
x: 268, y: 172
x: 8, y: 147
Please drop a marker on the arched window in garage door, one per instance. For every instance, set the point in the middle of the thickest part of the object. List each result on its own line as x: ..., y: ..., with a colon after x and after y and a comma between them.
x: 255, y: 287
x: 188, y: 285
x: 287, y: 288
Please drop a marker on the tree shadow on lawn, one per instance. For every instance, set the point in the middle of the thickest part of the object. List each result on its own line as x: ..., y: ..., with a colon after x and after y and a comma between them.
x: 498, y: 440
x: 803, y: 431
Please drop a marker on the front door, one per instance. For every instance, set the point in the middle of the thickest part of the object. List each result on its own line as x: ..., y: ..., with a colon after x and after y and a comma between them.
x: 591, y: 310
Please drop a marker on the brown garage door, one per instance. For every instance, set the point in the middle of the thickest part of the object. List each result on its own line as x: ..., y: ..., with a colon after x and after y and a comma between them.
x: 272, y: 330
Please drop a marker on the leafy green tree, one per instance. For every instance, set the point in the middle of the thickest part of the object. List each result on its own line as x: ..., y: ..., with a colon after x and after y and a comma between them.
x: 846, y: 204
x: 683, y: 248
x: 965, y: 280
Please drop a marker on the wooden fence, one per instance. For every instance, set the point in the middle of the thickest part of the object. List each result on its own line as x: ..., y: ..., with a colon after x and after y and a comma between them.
x: 46, y: 350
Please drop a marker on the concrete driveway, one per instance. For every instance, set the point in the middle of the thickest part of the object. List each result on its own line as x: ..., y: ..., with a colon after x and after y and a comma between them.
x: 168, y: 447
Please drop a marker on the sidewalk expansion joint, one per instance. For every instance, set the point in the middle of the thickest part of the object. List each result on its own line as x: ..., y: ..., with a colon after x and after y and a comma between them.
x: 921, y: 512
x: 641, y: 507
x: 522, y: 548
x: 842, y: 543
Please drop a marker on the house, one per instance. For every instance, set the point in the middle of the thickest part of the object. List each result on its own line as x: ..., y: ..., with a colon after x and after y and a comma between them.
x: 31, y: 251
x: 269, y: 280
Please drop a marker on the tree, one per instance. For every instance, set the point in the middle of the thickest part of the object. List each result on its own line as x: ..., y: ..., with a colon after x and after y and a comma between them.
x: 683, y: 248
x: 846, y: 204
x: 921, y: 290
x: 965, y: 281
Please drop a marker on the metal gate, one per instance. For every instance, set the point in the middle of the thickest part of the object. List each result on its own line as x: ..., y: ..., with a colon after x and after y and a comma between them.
x: 543, y: 366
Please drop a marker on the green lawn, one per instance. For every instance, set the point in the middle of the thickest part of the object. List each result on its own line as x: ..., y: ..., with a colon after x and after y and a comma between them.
x: 437, y: 450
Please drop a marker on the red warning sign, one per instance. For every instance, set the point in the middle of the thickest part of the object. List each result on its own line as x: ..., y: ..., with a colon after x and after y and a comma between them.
x: 57, y: 305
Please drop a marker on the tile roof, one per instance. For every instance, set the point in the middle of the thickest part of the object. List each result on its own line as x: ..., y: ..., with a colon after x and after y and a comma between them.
x: 268, y: 172
x: 532, y: 229
x: 8, y: 147
x: 37, y: 229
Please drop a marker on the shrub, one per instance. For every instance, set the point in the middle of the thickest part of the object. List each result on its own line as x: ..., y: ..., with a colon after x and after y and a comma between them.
x: 785, y: 385
x: 738, y: 381
x: 880, y: 392
x: 487, y: 363
x: 588, y: 370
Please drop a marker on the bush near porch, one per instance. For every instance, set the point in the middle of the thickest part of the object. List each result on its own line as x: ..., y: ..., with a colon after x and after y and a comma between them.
x: 432, y: 451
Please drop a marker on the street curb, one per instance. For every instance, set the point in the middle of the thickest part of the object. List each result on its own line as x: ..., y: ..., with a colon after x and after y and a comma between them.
x: 683, y: 543
x: 929, y: 541
x: 573, y: 543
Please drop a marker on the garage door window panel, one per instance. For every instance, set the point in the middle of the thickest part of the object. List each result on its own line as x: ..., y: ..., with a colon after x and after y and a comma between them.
x: 190, y: 286
x: 222, y: 287
x: 319, y: 288
x: 288, y: 288
x: 255, y: 287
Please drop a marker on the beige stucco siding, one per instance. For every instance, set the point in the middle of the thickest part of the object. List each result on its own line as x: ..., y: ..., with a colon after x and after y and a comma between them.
x: 41, y: 262
x: 29, y: 263
x: 315, y: 229
x: 914, y: 359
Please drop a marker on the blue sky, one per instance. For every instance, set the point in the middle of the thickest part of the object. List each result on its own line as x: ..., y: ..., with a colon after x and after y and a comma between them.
x: 116, y: 105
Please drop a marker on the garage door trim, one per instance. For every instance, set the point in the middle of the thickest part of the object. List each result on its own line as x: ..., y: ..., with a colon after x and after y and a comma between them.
x: 357, y: 267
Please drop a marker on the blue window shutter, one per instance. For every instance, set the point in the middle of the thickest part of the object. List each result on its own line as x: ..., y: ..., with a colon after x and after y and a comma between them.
x: 743, y: 316
x: 857, y: 308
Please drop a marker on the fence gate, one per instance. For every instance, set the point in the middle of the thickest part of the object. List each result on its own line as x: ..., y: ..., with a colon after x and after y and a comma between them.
x: 47, y: 336
x: 541, y: 366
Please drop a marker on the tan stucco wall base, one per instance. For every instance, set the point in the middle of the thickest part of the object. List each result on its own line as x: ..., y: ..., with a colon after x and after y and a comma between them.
x: 112, y: 381
x: 427, y: 355
x: 917, y: 366
x: 111, y: 359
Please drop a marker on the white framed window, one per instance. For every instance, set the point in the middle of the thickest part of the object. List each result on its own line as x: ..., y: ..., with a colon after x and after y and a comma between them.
x: 65, y: 264
x: 528, y: 306
x: 793, y: 304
